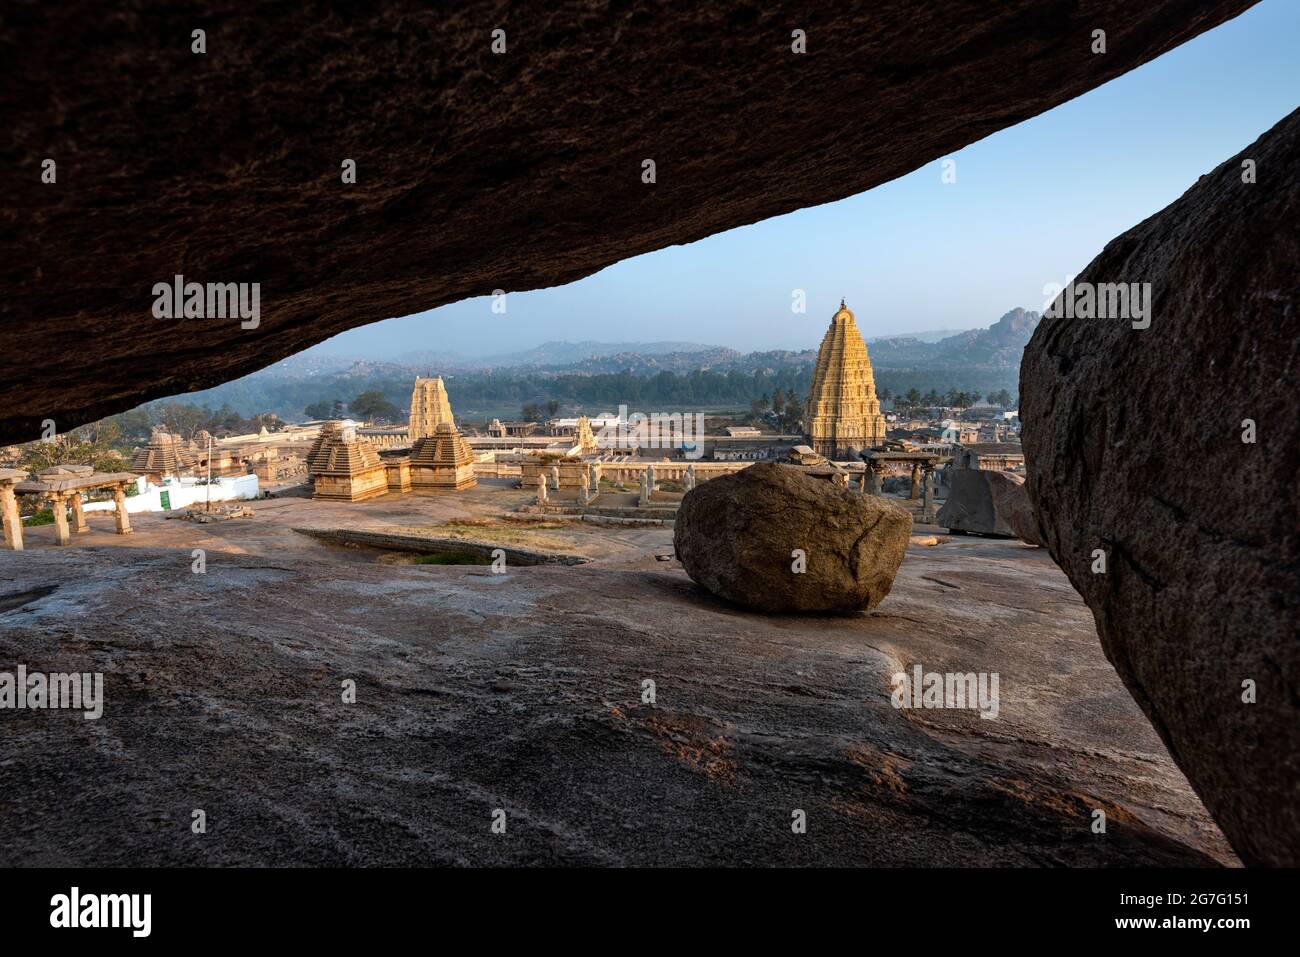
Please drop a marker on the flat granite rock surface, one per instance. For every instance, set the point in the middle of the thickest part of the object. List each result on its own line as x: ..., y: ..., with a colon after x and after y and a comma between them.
x: 523, y: 691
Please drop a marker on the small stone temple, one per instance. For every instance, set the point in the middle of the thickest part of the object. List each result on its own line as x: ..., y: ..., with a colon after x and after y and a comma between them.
x: 843, y: 412
x: 443, y: 461
x: 430, y: 408
x: 344, y: 466
x: 165, y: 455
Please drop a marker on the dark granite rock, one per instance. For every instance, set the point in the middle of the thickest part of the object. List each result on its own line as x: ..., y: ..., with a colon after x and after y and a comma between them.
x: 980, y: 502
x: 736, y: 535
x: 474, y: 171
x: 1134, y: 447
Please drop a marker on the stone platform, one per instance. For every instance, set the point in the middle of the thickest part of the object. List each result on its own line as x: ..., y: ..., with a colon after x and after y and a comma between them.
x: 524, y: 691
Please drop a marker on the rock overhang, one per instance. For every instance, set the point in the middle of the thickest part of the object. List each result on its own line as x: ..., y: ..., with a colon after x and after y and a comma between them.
x: 475, y: 171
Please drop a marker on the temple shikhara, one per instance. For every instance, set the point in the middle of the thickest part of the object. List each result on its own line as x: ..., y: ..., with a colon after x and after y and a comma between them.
x: 843, y: 411
x: 430, y: 408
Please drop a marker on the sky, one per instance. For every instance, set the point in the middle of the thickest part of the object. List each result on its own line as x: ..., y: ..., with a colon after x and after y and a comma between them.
x: 1031, y: 205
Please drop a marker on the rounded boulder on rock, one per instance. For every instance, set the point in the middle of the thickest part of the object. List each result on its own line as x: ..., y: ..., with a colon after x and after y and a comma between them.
x: 742, y: 536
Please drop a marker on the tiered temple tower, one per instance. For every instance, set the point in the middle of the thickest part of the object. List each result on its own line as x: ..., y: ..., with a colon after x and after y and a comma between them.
x: 443, y: 461
x: 164, y: 455
x: 345, y: 467
x: 843, y: 411
x: 430, y: 408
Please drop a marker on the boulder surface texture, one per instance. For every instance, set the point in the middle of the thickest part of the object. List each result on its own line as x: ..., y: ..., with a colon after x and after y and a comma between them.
x: 1173, y: 453
x: 741, y: 535
x: 980, y: 501
x: 476, y: 169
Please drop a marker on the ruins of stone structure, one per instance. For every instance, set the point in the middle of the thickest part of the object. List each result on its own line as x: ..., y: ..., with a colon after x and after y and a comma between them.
x: 165, y: 455
x: 843, y: 411
x: 443, y: 461
x: 9, y: 514
x: 399, y: 471
x: 66, y: 487
x: 430, y: 408
x: 344, y: 466
x: 273, y: 468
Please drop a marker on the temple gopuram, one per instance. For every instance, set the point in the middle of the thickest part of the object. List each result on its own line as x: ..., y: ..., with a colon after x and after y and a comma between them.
x: 843, y: 411
x: 430, y: 408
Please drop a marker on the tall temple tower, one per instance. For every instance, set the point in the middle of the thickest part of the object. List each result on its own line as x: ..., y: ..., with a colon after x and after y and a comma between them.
x: 843, y: 411
x: 430, y: 407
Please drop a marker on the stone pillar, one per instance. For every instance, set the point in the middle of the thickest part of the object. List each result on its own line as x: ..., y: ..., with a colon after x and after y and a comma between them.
x: 874, y: 486
x: 119, y: 511
x: 916, y: 481
x: 555, y: 477
x: 927, y: 480
x: 541, y: 489
x: 13, y: 521
x: 78, y: 514
x: 60, y: 508
x: 690, y: 477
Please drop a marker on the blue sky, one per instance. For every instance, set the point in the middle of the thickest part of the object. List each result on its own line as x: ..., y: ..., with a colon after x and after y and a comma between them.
x: 1031, y: 205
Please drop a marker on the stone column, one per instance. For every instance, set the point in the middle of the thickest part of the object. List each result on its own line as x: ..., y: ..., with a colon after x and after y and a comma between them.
x: 541, y: 489
x: 78, y: 514
x: 927, y: 480
x: 916, y: 481
x: 690, y: 477
x: 555, y: 477
x: 119, y: 511
x: 13, y: 521
x: 874, y: 486
x: 60, y: 508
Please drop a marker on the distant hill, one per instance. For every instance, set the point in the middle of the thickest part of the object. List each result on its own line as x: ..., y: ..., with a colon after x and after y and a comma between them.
x: 550, y: 354
x: 982, y: 360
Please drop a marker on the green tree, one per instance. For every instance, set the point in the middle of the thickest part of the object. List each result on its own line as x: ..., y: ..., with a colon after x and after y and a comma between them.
x: 319, y: 410
x: 531, y: 412
x: 793, y: 415
x: 552, y: 407
x: 372, y: 406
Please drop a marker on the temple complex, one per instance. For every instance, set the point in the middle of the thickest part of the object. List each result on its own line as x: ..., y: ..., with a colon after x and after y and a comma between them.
x: 165, y: 455
x: 344, y: 466
x: 843, y: 411
x: 442, y: 461
x: 430, y: 408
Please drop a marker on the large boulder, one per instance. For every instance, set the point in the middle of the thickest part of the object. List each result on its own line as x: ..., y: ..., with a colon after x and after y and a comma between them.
x: 738, y: 536
x: 980, y: 501
x: 1019, y: 513
x: 1172, y: 453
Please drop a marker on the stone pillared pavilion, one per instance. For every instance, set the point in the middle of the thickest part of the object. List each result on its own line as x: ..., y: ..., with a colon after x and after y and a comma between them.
x: 843, y: 414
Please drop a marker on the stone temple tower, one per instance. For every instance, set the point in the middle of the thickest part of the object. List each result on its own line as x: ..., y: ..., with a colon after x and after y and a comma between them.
x: 430, y: 408
x: 843, y: 411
